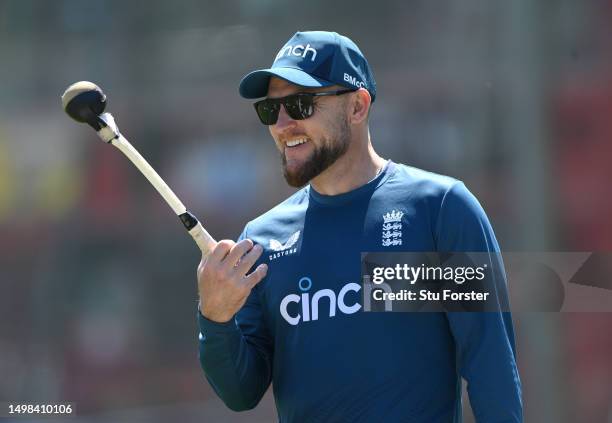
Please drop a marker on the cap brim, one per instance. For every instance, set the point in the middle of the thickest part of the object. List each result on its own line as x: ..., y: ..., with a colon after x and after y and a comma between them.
x: 255, y: 84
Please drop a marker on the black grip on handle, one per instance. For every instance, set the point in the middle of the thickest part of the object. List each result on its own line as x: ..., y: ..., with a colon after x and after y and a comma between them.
x: 188, y: 219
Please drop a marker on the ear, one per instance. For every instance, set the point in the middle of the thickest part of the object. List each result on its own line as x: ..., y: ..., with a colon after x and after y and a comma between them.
x: 359, y: 106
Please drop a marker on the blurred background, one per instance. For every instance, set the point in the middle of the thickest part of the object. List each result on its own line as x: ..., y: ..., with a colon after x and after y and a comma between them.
x: 97, y: 277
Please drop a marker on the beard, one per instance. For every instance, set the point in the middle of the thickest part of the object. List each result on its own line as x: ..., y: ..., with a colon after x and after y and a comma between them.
x: 324, y: 155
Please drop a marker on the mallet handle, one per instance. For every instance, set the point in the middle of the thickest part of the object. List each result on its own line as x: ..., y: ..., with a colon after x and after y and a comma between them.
x: 111, y: 135
x: 126, y: 148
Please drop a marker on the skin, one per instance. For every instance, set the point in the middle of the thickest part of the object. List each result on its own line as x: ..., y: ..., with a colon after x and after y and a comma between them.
x: 357, y: 166
x: 223, y: 282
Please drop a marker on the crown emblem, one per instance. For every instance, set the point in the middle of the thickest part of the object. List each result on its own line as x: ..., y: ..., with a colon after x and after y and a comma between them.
x: 393, y: 216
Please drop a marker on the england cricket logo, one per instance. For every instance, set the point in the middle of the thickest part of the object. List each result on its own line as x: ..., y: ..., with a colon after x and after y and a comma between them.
x: 392, y: 228
x: 279, y: 249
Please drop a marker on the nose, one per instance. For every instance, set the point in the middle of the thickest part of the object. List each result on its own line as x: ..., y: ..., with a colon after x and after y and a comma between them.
x: 284, y: 121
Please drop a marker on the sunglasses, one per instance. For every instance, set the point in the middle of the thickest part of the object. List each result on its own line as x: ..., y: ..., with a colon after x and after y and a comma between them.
x: 298, y: 106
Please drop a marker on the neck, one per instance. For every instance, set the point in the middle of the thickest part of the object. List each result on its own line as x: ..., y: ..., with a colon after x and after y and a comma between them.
x: 359, y: 165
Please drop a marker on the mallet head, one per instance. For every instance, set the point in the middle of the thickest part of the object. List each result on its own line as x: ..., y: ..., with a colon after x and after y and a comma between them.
x: 84, y: 102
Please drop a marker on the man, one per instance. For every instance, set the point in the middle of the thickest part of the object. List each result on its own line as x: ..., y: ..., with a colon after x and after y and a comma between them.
x: 297, y: 320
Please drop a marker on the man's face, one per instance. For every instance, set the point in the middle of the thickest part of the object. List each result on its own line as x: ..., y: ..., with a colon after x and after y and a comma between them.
x: 326, y: 133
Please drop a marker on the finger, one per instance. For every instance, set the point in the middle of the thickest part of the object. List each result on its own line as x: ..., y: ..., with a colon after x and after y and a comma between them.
x: 205, y: 257
x: 256, y: 276
x: 221, y: 250
x: 238, y: 251
x: 249, y: 259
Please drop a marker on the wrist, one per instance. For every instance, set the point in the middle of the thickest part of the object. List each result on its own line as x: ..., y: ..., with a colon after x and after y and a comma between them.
x: 221, y: 319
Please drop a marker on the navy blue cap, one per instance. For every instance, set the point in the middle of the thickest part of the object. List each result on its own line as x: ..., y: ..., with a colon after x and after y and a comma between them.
x: 314, y: 59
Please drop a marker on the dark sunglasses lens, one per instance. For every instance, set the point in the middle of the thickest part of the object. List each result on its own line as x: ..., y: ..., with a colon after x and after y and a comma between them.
x: 299, y: 106
x: 267, y: 111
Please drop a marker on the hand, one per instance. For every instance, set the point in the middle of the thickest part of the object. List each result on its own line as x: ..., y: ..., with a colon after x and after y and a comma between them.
x: 222, y: 280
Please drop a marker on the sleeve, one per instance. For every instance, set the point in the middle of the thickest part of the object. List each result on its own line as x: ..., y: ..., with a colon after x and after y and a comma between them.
x: 237, y: 356
x: 486, y: 356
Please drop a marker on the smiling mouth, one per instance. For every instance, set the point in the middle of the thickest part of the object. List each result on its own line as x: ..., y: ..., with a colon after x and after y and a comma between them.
x: 296, y: 142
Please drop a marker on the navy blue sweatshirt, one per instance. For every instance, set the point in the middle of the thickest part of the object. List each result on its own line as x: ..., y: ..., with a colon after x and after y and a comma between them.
x: 327, y: 359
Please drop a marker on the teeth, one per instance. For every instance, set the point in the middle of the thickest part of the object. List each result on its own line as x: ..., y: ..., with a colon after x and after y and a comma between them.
x: 293, y: 143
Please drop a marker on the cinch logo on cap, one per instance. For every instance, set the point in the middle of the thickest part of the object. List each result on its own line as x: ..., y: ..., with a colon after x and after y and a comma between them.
x: 297, y: 50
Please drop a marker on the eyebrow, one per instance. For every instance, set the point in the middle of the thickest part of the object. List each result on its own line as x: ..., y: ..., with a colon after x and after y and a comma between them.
x: 300, y: 90
x: 308, y: 90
